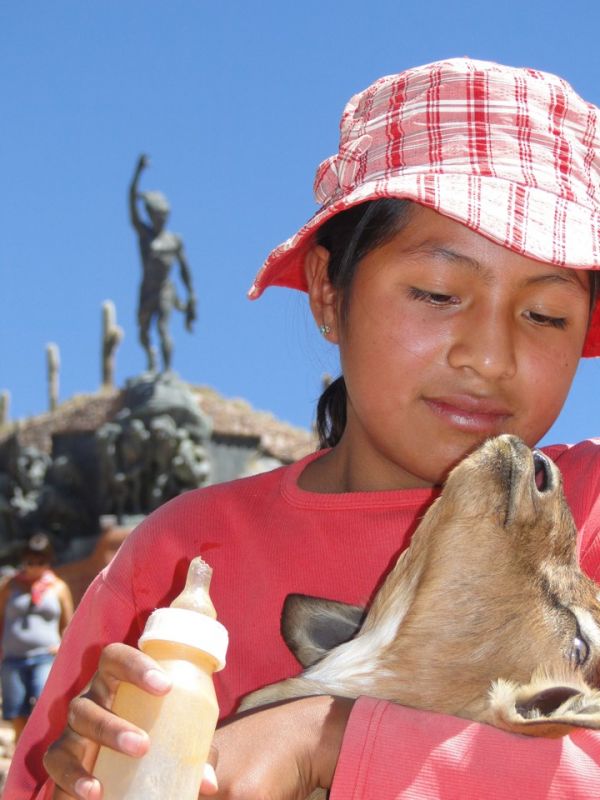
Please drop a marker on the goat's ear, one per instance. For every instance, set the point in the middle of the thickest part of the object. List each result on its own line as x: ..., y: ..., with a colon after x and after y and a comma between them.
x: 543, y: 707
x: 312, y: 626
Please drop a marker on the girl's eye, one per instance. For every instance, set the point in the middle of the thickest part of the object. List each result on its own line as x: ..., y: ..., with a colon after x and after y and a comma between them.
x: 544, y: 319
x: 433, y: 298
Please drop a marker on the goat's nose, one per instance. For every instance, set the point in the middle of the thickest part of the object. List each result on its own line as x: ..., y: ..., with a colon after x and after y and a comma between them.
x: 542, y: 472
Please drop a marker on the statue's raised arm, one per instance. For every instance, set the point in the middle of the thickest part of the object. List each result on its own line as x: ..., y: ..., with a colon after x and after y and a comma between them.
x: 134, y: 215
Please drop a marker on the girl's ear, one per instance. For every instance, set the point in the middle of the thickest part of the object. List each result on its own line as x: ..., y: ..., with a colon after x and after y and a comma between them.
x: 322, y: 295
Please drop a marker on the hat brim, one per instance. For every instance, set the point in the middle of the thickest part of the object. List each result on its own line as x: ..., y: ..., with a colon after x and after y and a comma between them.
x: 507, y: 213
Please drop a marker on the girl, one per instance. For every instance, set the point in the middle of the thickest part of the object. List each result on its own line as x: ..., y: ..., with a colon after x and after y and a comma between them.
x: 451, y: 263
x: 35, y: 608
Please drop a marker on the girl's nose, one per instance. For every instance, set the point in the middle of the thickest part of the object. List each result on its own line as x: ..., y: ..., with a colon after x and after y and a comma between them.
x: 484, y: 345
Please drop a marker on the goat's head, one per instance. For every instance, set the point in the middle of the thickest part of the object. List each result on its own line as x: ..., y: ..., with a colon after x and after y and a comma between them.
x: 500, y: 544
x: 489, y: 589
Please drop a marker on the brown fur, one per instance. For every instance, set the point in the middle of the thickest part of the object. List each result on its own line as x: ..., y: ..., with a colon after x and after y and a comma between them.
x: 476, y: 618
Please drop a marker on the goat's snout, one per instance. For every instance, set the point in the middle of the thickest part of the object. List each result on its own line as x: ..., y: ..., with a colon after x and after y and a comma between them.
x: 542, y: 472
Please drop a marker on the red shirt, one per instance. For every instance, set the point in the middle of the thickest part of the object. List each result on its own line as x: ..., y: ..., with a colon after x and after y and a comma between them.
x: 264, y: 538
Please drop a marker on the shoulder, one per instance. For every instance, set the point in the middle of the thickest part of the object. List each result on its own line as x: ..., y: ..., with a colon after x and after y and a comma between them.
x: 217, y: 522
x: 219, y: 497
x: 61, y: 587
x: 214, y: 511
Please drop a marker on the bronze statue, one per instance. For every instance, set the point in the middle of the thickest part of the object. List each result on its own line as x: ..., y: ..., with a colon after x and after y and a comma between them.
x: 159, y: 248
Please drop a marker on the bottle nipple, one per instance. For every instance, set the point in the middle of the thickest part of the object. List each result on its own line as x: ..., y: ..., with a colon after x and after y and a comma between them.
x: 195, y: 595
x: 191, y: 618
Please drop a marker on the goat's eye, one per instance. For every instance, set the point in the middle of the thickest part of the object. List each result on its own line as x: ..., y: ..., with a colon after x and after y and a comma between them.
x: 579, y: 652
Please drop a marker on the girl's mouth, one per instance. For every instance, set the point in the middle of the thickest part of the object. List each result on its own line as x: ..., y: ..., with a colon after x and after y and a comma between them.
x: 472, y: 414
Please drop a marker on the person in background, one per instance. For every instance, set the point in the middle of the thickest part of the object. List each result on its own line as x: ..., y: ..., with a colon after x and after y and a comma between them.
x: 35, y: 608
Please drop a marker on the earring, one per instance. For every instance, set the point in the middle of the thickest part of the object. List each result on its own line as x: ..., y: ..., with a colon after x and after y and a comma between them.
x: 324, y: 329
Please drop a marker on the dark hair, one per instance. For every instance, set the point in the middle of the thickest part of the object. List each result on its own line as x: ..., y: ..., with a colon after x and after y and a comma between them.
x: 594, y: 286
x: 39, y: 547
x: 349, y: 236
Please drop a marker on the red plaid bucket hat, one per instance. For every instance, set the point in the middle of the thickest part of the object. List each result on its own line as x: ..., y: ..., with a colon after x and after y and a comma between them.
x: 514, y: 154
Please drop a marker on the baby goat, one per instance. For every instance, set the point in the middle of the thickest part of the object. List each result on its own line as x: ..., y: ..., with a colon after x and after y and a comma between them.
x: 485, y: 616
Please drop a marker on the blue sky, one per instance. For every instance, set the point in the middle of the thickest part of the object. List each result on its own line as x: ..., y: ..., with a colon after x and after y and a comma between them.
x: 236, y: 103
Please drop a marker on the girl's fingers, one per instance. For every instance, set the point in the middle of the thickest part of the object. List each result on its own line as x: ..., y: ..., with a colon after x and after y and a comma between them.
x: 209, y: 784
x: 91, y: 723
x: 68, y: 762
x: 86, y: 789
x: 121, y: 662
x: 99, y: 726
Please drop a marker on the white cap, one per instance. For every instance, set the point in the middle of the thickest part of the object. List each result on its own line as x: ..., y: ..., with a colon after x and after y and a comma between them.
x: 188, y: 627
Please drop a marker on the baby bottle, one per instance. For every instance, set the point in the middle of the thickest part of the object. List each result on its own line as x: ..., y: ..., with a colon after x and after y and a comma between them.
x: 189, y: 644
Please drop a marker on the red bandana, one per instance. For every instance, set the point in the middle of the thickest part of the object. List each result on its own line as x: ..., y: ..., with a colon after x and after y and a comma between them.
x: 37, y: 587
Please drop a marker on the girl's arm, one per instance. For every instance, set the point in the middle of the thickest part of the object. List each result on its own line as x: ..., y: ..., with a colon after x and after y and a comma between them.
x: 369, y: 749
x: 283, y: 751
x: 392, y: 752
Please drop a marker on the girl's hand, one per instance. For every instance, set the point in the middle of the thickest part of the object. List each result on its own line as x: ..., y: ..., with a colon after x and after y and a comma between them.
x: 91, y: 723
x: 281, y: 752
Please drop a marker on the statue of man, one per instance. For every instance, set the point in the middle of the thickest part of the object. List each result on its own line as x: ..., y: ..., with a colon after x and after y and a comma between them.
x: 159, y: 248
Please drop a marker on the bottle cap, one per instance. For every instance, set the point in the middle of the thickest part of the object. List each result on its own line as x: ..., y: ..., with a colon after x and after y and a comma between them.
x: 188, y: 627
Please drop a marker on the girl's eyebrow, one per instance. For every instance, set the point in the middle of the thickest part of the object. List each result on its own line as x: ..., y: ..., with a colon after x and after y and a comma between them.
x: 570, y: 277
x: 452, y: 255
x: 428, y: 248
x: 566, y: 276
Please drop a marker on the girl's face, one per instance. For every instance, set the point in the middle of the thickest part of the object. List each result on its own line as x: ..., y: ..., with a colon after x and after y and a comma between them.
x: 449, y: 339
x: 35, y: 566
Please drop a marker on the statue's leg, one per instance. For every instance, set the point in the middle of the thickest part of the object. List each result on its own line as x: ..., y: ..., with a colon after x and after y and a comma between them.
x: 166, y: 343
x: 144, y: 320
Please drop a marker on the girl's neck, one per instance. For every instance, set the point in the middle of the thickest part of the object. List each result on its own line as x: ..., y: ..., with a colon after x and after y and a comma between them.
x: 342, y: 470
